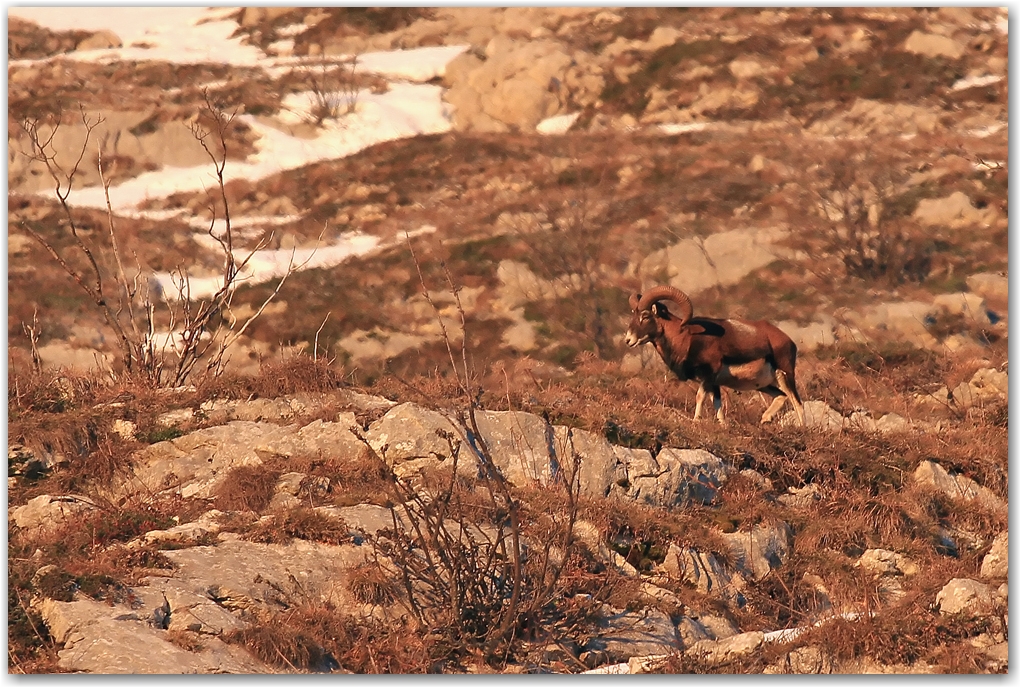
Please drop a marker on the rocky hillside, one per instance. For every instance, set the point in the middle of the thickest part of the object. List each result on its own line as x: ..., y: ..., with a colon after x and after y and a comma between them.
x: 432, y: 451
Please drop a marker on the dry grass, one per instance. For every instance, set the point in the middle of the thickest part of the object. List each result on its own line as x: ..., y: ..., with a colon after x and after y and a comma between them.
x: 246, y: 488
x: 300, y: 523
x: 320, y: 638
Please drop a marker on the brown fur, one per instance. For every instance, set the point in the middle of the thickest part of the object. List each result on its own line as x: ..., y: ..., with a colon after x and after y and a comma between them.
x: 736, y: 353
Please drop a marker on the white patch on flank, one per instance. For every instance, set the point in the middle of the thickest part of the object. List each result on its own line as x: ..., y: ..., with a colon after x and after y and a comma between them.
x: 742, y: 327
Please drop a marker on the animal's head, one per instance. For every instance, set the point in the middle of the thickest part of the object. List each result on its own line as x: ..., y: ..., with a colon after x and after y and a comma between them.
x: 649, y: 314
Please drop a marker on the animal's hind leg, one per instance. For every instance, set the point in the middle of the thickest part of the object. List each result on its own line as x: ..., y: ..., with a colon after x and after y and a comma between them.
x: 784, y: 385
x: 717, y: 402
x: 778, y: 399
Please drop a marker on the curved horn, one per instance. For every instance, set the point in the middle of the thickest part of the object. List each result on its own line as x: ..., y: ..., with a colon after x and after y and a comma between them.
x: 635, y: 298
x: 669, y: 293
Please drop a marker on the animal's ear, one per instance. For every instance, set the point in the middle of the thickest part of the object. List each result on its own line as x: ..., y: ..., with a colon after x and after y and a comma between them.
x: 660, y: 311
x: 695, y: 329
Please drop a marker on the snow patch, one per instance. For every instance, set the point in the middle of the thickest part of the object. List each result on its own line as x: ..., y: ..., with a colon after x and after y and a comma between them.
x: 182, y: 35
x: 267, y: 265
x: 973, y: 81
x: 416, y: 64
x: 405, y: 110
x: 688, y: 127
x: 559, y: 124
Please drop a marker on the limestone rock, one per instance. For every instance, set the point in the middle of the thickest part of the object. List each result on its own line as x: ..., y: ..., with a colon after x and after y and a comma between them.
x: 884, y: 562
x: 249, y: 577
x: 674, y: 477
x: 812, y: 335
x: 220, y: 411
x: 171, y: 145
x: 805, y: 660
x: 962, y: 595
x: 187, y: 533
x: 644, y: 358
x: 409, y: 431
x: 623, y: 634
x: 861, y: 420
x: 724, y: 650
x: 100, y: 40
x: 364, y: 517
x: 801, y: 497
x: 761, y: 549
x: 519, y: 84
x: 179, y: 417
x: 892, y: 423
x: 520, y: 444
x: 98, y: 638
x: 969, y: 305
x: 905, y: 321
x: 195, y: 463
x: 519, y: 285
x: 933, y: 45
x: 47, y: 512
x: 875, y: 117
x: 600, y: 467
x: 957, y: 486
x: 816, y: 414
x: 700, y: 569
x: 989, y: 285
x: 988, y: 383
x: 953, y: 210
x: 693, y: 629
x: 722, y: 259
x: 996, y: 562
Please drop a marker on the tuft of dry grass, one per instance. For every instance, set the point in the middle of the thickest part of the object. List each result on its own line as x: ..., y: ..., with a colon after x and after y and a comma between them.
x: 246, y: 488
x: 189, y: 641
x: 321, y: 639
x: 301, y: 523
x: 370, y: 585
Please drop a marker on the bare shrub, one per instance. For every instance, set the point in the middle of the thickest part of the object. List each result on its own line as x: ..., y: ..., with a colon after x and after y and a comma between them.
x: 457, y: 544
x: 333, y: 90
x: 572, y: 251
x: 863, y: 227
x: 197, y: 329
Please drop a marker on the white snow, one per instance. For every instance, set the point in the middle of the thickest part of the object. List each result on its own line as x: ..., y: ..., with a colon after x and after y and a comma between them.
x: 418, y: 64
x: 403, y: 111
x: 972, y: 81
x: 174, y: 34
x: 673, y: 129
x: 266, y: 265
x: 196, y: 34
x: 559, y: 124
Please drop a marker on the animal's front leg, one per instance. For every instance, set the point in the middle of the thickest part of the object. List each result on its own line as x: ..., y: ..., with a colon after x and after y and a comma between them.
x: 700, y: 401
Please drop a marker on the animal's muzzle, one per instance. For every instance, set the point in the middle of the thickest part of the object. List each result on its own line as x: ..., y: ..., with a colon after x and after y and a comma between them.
x: 632, y: 340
